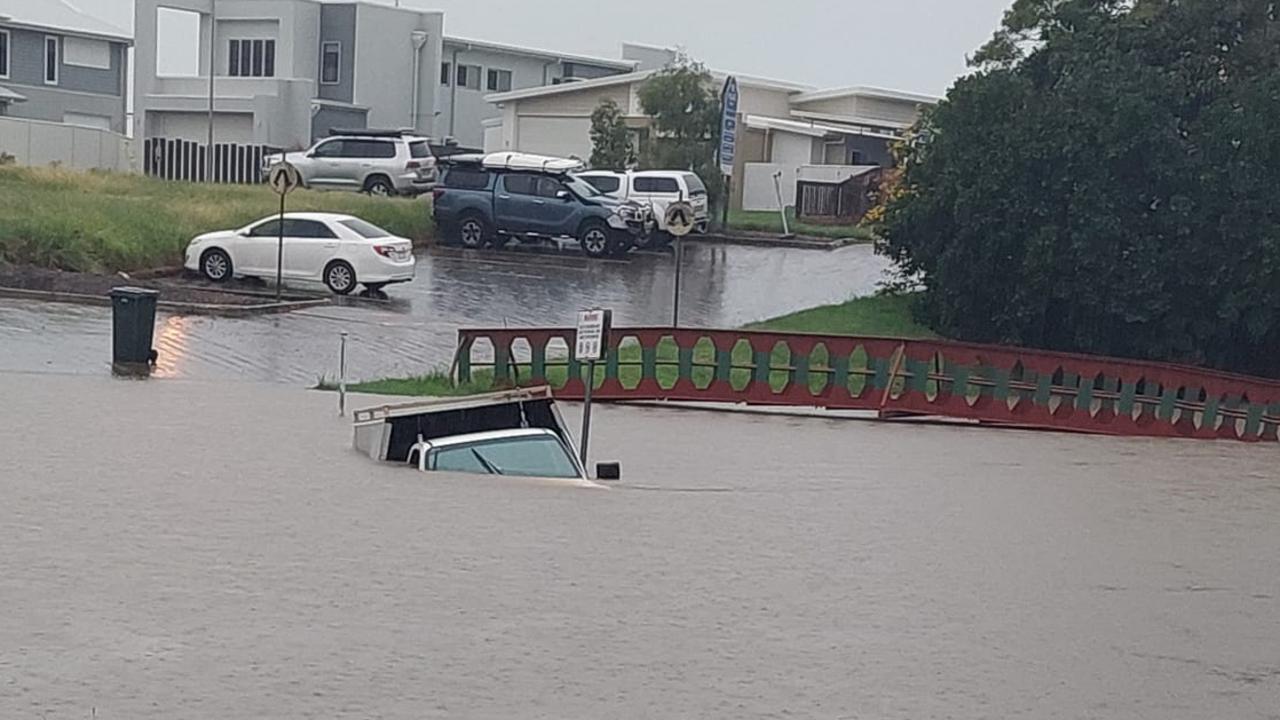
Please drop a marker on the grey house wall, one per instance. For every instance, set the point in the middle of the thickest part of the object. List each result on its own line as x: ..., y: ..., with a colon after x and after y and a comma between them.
x: 84, y: 90
x: 328, y: 117
x: 338, y: 24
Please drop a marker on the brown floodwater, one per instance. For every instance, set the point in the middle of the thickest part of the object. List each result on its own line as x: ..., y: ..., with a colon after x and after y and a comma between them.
x: 178, y: 549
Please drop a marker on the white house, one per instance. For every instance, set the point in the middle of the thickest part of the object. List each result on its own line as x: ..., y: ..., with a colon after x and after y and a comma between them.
x: 787, y: 127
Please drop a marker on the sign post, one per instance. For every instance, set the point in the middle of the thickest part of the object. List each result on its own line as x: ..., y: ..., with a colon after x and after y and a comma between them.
x: 728, y: 141
x: 590, y: 346
x: 283, y: 179
x: 679, y: 220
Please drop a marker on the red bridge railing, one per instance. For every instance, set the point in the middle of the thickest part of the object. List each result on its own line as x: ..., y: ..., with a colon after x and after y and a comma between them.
x: 893, y: 377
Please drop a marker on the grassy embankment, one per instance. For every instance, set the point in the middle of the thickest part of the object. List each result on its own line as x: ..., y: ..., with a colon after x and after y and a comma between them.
x: 886, y: 315
x: 771, y: 222
x: 104, y: 222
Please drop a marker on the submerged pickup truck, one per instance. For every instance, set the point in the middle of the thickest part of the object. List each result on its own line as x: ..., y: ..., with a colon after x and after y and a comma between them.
x: 489, y: 200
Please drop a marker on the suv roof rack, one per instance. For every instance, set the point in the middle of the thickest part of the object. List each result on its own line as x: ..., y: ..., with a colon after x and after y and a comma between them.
x: 373, y: 132
x: 526, y: 161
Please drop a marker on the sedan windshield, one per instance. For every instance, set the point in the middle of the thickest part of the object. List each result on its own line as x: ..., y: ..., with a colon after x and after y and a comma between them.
x: 364, y: 229
x: 541, y: 456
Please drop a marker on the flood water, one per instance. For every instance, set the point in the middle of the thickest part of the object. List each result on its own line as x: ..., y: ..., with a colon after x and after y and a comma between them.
x: 177, y: 549
x: 415, y: 330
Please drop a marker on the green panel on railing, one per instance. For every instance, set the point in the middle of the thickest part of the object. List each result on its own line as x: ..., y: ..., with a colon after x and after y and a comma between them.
x: 959, y: 379
x: 1128, y: 396
x: 649, y: 363
x: 464, y: 362
x: 724, y: 365
x: 918, y: 375
x: 800, y: 375
x: 840, y: 371
x: 1001, y: 390
x: 1253, y: 420
x: 880, y: 380
x: 764, y: 361
x: 1209, y: 420
x: 1168, y: 403
x: 538, y: 363
x: 1084, y: 399
x: 1044, y: 390
x: 685, y: 360
x: 611, y: 363
x: 501, y: 363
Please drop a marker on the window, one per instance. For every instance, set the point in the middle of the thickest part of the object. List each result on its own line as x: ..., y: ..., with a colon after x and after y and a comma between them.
x: 603, y: 183
x: 419, y: 149
x: 548, y: 187
x: 465, y: 178
x: 4, y: 53
x: 499, y: 80
x: 270, y: 228
x: 695, y: 184
x: 364, y: 229
x: 444, y: 73
x: 86, y: 53
x: 656, y: 185
x: 330, y: 149
x: 251, y: 58
x: 469, y: 76
x: 380, y: 149
x: 307, y: 229
x: 539, y: 456
x: 521, y: 184
x: 330, y: 63
x: 51, y: 60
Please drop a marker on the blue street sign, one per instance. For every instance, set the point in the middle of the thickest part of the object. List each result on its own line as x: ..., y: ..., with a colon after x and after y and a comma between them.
x: 728, y: 125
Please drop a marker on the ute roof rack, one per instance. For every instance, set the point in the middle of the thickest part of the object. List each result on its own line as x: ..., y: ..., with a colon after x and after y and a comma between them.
x: 374, y: 132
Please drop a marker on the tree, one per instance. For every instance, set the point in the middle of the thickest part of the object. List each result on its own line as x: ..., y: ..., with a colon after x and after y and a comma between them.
x: 683, y: 101
x: 1105, y: 182
x: 611, y: 147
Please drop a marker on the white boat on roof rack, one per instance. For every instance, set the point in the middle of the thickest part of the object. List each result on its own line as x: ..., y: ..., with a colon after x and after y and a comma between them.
x: 526, y: 161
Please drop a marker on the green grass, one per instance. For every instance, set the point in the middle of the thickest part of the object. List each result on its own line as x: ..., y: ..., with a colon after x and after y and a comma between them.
x: 771, y: 222
x: 880, y: 315
x: 887, y: 315
x: 104, y: 222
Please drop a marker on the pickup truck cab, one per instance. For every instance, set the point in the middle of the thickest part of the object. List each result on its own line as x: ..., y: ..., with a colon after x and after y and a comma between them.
x: 492, y: 199
x: 656, y: 189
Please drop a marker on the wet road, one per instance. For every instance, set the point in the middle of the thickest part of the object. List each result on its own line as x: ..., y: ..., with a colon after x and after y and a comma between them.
x: 747, y: 567
x: 724, y: 286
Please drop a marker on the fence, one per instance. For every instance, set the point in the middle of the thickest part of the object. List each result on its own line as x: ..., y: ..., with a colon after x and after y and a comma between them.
x: 847, y: 201
x: 177, y: 159
x: 896, y: 378
x: 36, y: 142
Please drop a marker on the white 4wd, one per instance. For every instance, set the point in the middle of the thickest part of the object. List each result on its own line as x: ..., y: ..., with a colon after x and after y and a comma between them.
x: 379, y: 162
x: 658, y: 188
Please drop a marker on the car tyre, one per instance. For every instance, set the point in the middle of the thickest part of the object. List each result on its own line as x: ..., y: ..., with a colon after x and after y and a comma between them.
x: 594, y: 237
x: 215, y: 265
x: 379, y: 186
x: 340, y: 277
x: 473, y: 233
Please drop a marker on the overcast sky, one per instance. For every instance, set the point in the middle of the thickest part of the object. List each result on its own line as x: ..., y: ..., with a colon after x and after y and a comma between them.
x: 915, y: 45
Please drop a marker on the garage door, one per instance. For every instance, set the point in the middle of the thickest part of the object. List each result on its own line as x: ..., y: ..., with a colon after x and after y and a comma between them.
x: 561, y: 137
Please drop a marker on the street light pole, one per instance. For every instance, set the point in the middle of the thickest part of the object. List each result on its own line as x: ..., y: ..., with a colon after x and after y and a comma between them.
x: 213, y: 54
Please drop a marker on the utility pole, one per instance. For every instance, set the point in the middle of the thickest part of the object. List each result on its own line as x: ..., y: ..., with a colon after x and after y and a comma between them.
x: 213, y: 54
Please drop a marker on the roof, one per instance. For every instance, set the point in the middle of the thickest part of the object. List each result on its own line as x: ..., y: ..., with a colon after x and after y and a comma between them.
x: 865, y: 91
x: 537, y: 52
x: 491, y: 436
x: 636, y: 77
x: 812, y: 129
x: 7, y: 95
x: 60, y: 15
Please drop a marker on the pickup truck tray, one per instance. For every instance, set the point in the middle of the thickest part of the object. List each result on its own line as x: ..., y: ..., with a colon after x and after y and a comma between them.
x: 387, y: 432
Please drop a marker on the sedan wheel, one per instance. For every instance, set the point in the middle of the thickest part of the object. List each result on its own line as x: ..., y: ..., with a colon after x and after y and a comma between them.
x: 340, y: 278
x: 216, y: 266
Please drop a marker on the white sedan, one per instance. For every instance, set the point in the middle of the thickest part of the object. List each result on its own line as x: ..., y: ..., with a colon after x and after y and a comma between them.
x: 341, y: 251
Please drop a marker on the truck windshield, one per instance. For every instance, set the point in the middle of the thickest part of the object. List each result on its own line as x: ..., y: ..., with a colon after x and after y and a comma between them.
x: 543, y: 456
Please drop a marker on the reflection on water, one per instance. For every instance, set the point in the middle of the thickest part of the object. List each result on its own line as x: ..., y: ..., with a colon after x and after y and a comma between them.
x: 414, y: 330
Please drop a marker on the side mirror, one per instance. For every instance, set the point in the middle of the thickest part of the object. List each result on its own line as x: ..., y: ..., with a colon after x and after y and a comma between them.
x: 611, y: 471
x: 562, y: 194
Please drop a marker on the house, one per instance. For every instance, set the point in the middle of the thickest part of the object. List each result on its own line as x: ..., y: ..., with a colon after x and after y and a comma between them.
x: 61, y: 65
x: 472, y: 69
x: 286, y: 71
x: 786, y: 127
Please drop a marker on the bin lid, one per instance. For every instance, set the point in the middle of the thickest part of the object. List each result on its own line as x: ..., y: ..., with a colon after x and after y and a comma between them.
x: 133, y: 292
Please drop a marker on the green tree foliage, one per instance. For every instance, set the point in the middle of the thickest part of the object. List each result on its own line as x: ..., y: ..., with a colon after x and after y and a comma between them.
x: 1110, y: 188
x: 611, y: 147
x: 684, y: 103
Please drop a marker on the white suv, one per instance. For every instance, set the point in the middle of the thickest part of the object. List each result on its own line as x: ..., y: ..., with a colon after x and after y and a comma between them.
x: 657, y: 188
x: 379, y: 162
